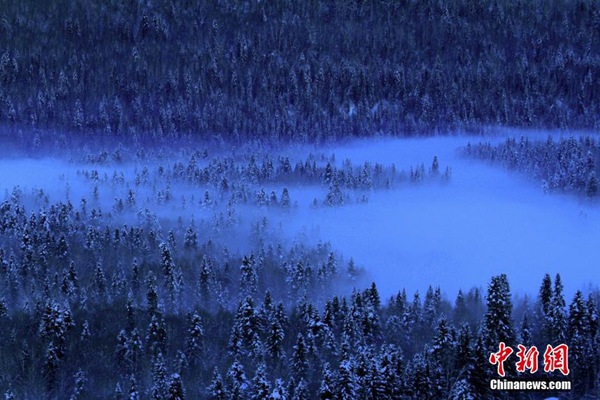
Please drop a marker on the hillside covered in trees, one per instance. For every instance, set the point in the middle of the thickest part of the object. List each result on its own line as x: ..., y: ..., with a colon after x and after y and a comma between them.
x: 310, y: 70
x: 166, y: 161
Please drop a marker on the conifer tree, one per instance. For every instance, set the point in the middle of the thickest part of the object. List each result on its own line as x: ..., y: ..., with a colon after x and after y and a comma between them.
x: 479, y: 377
x: 156, y: 338
x: 300, y: 359
x: 285, y: 198
x: 346, y: 382
x: 300, y: 391
x: 327, y: 387
x: 195, y: 338
x: 151, y: 295
x: 261, y: 388
x: 176, y: 391
x: 497, y: 324
x: 159, y: 377
x: 274, y: 341
x: 216, y: 390
x: 557, y: 313
x: 237, y: 383
x: 543, y: 319
x: 249, y: 276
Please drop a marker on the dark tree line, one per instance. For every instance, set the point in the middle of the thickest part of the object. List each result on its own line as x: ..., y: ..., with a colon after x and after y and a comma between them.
x: 567, y: 165
x: 260, y: 178
x: 296, y: 70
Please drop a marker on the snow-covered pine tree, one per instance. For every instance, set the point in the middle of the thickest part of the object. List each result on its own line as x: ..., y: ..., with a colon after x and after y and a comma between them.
x: 498, y: 324
x: 443, y: 353
x: 216, y: 390
x: 299, y: 359
x: 274, y: 342
x: 557, y: 314
x: 248, y: 276
x: 156, y: 338
x: 260, y: 388
x: 346, y: 385
x: 151, y: 295
x: 301, y: 391
x: 134, y: 393
x: 176, y: 390
x: 525, y: 334
x: 190, y: 241
x: 79, y: 386
x: 285, y: 198
x: 542, y: 322
x: 159, y: 378
x: 195, y: 338
x: 237, y: 383
x: 327, y: 387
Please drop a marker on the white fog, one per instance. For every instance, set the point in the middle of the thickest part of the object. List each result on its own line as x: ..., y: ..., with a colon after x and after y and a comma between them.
x: 485, y: 221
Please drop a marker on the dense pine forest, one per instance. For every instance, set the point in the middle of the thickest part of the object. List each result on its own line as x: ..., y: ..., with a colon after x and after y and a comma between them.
x: 161, y: 248
x: 311, y: 70
x: 95, y: 310
x: 570, y: 165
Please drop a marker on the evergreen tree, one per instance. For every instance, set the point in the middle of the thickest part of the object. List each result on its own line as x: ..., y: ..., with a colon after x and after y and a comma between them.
x: 301, y: 391
x: 216, y: 390
x: 443, y: 351
x: 592, y: 185
x: 195, y: 338
x: 237, y: 383
x: 159, y: 378
x: 169, y: 272
x: 151, y: 295
x: 135, y: 278
x: 285, y: 198
x: 260, y: 385
x: 157, y: 335
x: 190, y: 241
x: 582, y: 357
x: 435, y: 167
x: 205, y: 282
x: 543, y: 312
x: 135, y: 347
x: 327, y: 388
x: 80, y: 381
x: 479, y: 377
x: 176, y: 391
x: 300, y: 359
x: 422, y: 379
x: 51, y: 365
x: 497, y: 324
x: 525, y: 334
x: 346, y: 382
x: 557, y: 314
x: 99, y: 284
x: 134, y: 393
x: 274, y: 341
x: 249, y: 276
